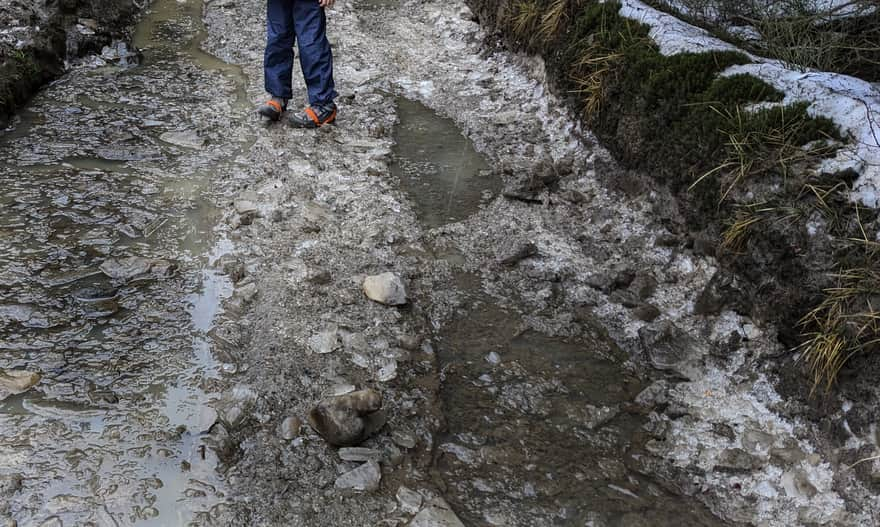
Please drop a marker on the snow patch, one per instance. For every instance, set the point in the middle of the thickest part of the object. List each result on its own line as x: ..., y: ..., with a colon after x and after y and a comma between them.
x: 853, y: 104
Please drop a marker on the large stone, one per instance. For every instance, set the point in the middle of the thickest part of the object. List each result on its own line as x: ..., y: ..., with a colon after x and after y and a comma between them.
x: 385, y: 288
x: 437, y: 513
x: 347, y: 420
x: 365, y: 478
x: 13, y: 382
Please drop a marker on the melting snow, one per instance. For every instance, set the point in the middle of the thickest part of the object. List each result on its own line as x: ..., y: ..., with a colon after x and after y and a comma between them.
x: 853, y: 104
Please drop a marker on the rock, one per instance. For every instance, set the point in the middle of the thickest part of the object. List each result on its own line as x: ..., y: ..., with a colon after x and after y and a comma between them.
x: 437, y: 513
x: 359, y: 454
x: 25, y: 315
x: 625, y: 297
x: 737, y: 459
x: 10, y: 484
x: 646, y: 312
x: 656, y: 394
x: 493, y: 358
x: 643, y: 286
x: 409, y: 342
x: 325, y: 342
x: 13, y: 382
x: 185, y: 138
x: 365, y: 478
x: 410, y: 501
x: 95, y: 294
x: 669, y: 348
x: 518, y: 254
x: 403, y: 439
x: 720, y: 293
x: 233, y: 408
x: 52, y: 521
x: 136, y: 267
x: 319, y: 277
x: 385, y: 288
x: 290, y: 428
x: 247, y: 211
x: 347, y: 420
x: 388, y: 370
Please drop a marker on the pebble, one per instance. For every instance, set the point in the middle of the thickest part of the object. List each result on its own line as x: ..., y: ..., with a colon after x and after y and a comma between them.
x: 13, y: 382
x: 347, y: 420
x: 493, y: 358
x: 364, y: 478
x: 290, y: 428
x: 385, y: 288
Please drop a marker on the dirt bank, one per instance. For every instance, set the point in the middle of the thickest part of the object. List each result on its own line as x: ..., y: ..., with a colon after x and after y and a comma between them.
x: 37, y: 38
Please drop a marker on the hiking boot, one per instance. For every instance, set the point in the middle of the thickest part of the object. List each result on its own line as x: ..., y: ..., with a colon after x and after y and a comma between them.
x: 314, y: 116
x: 273, y: 108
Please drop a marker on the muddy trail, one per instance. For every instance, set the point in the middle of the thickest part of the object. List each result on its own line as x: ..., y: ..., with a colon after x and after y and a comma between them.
x: 187, y: 281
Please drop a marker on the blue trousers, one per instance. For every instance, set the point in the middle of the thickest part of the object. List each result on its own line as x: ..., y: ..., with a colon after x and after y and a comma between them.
x: 302, y: 22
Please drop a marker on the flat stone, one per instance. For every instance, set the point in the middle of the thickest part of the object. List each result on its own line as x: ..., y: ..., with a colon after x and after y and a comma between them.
x: 325, y: 342
x: 359, y: 454
x: 13, y: 382
x: 132, y: 267
x: 365, y: 478
x: 185, y: 138
x: 388, y: 371
x: 243, y: 206
x: 437, y: 513
x: 385, y: 288
x: 646, y: 312
x: 517, y: 254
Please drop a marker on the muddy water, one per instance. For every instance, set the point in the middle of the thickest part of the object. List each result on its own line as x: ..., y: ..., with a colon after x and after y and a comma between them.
x: 541, y: 430
x: 109, y: 163
x: 444, y: 176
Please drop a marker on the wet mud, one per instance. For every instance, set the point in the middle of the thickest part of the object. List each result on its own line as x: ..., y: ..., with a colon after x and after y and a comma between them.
x: 94, y: 193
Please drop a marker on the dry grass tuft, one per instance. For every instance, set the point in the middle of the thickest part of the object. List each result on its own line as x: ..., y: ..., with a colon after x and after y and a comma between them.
x: 774, y: 141
x: 590, y: 74
x: 553, y: 20
x: 525, y: 19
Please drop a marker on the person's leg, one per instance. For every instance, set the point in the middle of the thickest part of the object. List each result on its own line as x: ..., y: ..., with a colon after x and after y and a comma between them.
x: 315, y: 56
x: 278, y: 58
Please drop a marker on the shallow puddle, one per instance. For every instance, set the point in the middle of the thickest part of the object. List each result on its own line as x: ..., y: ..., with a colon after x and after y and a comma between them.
x: 113, y: 432
x: 437, y: 166
x: 540, y: 430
